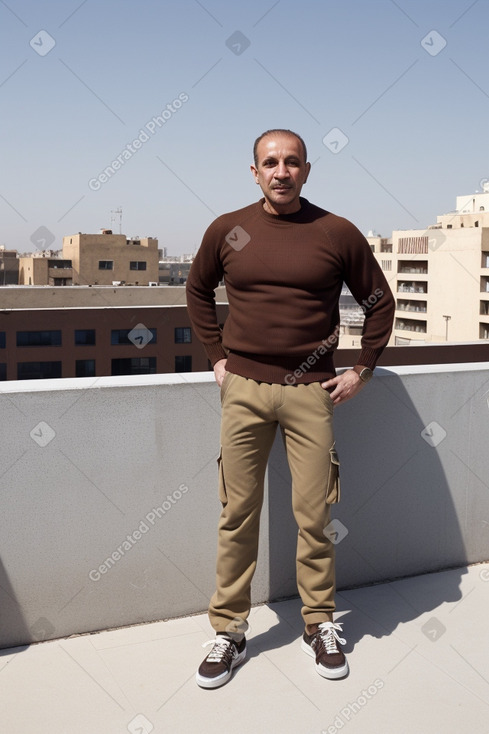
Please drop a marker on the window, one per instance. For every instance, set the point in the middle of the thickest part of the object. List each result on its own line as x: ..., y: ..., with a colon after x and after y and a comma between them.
x: 62, y: 281
x: 183, y: 335
x: 138, y: 337
x: 105, y: 264
x: 413, y: 266
x: 39, y: 338
x: 183, y: 364
x: 85, y: 368
x: 411, y: 325
x: 134, y: 366
x: 57, y: 263
x: 3, y: 371
x: 137, y: 265
x: 404, y: 305
x: 386, y: 264
x: 412, y: 286
x: 2, y: 340
x: 84, y: 337
x: 38, y: 370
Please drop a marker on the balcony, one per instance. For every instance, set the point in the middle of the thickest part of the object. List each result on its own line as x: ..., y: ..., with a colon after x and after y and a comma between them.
x: 420, y: 267
x: 110, y: 511
x: 410, y: 325
x: 412, y: 287
x: 414, y: 306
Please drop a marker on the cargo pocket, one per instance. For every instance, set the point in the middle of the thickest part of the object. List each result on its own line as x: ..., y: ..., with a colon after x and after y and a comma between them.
x: 333, y: 487
x: 223, y: 498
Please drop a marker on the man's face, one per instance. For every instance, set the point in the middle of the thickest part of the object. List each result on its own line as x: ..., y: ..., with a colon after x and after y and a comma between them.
x: 281, y: 172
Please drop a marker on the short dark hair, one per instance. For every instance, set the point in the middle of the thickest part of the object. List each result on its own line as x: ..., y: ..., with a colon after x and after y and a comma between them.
x: 272, y: 132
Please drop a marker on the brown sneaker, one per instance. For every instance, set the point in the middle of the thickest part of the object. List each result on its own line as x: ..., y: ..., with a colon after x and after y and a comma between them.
x: 217, y: 667
x: 323, y: 645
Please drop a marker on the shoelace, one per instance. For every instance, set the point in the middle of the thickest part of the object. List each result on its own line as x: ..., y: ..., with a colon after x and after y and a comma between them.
x: 328, y: 636
x: 223, y: 648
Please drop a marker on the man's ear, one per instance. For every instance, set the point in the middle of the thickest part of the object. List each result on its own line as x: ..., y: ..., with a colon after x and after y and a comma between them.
x: 254, y: 172
x: 308, y: 171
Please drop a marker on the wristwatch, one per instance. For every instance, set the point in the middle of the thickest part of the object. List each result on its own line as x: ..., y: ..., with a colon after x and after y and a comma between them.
x: 366, y: 374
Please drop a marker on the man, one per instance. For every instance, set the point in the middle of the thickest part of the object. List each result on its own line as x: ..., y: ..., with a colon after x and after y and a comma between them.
x: 284, y: 262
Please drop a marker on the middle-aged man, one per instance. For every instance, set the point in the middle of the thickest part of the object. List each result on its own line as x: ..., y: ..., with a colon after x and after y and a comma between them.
x: 284, y: 262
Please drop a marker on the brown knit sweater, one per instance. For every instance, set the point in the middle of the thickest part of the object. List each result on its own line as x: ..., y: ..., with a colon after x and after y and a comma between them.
x: 283, y: 277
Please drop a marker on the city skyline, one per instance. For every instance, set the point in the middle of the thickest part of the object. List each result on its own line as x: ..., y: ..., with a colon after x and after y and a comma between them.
x: 153, y: 110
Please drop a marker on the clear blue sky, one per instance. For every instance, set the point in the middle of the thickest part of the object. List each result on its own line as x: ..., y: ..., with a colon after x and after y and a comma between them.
x: 415, y: 112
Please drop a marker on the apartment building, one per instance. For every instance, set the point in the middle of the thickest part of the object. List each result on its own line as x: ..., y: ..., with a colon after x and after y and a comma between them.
x: 440, y: 275
x: 44, y: 269
x: 86, y: 332
x: 9, y: 266
x: 109, y: 259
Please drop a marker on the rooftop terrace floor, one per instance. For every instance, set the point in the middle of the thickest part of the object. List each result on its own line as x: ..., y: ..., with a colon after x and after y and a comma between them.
x: 428, y: 675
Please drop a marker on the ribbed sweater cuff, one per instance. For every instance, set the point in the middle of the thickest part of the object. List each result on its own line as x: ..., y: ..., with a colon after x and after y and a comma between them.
x: 369, y: 357
x: 215, y: 352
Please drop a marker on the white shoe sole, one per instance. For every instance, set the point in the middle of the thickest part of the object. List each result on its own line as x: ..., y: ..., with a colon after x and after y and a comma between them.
x: 220, y: 680
x: 330, y: 673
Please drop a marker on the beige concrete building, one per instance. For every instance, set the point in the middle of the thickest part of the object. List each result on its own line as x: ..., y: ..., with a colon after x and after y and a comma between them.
x: 111, y: 259
x: 440, y: 276
x: 9, y: 266
x: 44, y: 270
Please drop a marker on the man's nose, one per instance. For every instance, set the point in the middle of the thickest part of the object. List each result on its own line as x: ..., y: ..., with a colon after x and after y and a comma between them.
x: 281, y: 170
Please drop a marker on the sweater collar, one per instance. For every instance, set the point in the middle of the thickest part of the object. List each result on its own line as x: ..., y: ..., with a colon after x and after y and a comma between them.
x: 297, y: 216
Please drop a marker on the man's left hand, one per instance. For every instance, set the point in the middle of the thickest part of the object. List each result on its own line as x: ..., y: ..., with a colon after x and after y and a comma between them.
x: 346, y: 386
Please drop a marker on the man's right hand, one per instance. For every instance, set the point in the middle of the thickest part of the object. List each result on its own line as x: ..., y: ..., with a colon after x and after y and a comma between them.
x: 220, y: 371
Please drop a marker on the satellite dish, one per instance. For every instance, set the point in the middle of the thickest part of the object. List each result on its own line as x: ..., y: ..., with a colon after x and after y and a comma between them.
x: 485, y: 187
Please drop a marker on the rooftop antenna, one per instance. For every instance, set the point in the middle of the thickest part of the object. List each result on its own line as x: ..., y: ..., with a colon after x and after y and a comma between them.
x: 114, y: 213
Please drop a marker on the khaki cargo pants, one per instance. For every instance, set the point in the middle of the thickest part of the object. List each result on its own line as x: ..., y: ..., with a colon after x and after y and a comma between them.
x: 251, y: 412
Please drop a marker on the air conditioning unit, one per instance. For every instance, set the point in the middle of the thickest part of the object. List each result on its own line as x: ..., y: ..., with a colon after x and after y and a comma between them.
x: 153, y: 282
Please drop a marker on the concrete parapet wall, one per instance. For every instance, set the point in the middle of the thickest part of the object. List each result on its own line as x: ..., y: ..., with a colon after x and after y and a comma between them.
x: 109, y: 501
